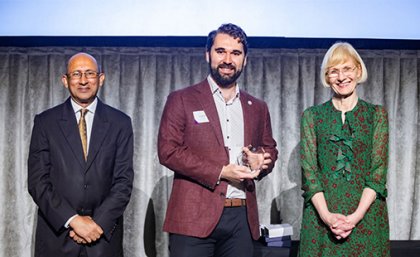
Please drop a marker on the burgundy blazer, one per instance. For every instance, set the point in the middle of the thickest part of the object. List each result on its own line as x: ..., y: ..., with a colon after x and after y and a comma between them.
x: 196, y: 153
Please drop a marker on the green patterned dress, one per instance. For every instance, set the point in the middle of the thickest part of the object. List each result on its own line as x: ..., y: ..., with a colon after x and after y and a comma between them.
x: 341, y: 160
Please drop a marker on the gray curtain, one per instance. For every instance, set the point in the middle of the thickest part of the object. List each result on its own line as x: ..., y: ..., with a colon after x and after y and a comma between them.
x: 138, y: 81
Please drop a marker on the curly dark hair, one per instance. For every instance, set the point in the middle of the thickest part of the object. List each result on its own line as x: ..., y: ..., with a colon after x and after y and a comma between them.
x: 231, y: 30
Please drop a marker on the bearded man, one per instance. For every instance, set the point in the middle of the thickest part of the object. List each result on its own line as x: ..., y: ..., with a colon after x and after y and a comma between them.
x: 217, y: 140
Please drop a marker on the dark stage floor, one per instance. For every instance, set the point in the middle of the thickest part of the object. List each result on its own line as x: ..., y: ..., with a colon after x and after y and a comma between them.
x: 398, y: 249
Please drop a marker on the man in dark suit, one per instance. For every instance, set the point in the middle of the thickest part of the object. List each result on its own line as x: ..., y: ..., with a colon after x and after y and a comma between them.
x: 81, y: 182
x: 212, y: 209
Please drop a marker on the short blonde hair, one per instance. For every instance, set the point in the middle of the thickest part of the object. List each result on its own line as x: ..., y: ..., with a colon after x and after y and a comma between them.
x: 338, y: 53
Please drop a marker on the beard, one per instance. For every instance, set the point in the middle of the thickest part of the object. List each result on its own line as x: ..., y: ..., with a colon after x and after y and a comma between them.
x: 224, y: 81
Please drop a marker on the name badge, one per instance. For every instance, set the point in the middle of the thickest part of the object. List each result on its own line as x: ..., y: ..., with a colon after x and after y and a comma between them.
x: 200, y: 117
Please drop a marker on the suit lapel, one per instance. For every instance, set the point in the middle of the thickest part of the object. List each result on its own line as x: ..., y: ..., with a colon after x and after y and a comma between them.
x: 99, y: 129
x: 248, y: 113
x: 68, y: 125
x: 205, y: 97
x: 250, y: 119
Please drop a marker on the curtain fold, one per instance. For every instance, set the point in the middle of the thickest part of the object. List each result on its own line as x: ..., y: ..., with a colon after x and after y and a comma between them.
x: 138, y: 80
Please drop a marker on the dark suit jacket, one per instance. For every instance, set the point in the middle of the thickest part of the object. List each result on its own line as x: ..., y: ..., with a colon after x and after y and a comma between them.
x: 62, y: 183
x: 196, y: 153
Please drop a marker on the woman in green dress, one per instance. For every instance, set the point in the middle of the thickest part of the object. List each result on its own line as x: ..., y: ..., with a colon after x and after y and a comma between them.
x: 344, y: 158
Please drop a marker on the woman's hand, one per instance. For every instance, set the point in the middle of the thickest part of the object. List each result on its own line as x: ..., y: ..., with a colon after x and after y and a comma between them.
x: 338, y: 224
x: 342, y: 229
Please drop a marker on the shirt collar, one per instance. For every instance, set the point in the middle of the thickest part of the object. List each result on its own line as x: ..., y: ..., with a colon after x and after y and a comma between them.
x: 91, y: 107
x: 215, y: 88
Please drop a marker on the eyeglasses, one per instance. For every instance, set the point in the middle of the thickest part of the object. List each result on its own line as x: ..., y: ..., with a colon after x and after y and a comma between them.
x: 347, y: 71
x: 89, y: 74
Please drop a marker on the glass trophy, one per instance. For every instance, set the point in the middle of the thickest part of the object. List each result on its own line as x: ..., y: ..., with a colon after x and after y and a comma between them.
x: 254, y: 161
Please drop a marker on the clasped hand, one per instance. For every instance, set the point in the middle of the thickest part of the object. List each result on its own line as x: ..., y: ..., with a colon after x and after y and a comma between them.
x: 85, y: 230
x: 340, y: 225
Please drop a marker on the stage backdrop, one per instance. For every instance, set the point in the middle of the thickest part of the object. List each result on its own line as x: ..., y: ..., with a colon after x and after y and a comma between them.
x: 138, y: 81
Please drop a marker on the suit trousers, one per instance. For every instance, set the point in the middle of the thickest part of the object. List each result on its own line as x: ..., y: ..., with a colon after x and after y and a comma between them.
x: 230, y: 238
x: 83, y: 252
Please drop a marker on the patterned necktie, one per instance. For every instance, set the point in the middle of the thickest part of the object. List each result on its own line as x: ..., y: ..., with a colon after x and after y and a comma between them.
x: 82, y: 131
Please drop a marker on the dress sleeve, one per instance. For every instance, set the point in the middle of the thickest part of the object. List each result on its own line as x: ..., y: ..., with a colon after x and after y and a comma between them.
x: 308, y: 157
x: 376, y: 177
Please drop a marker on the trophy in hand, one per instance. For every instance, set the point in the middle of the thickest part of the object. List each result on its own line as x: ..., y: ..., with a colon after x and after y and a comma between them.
x: 253, y: 159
